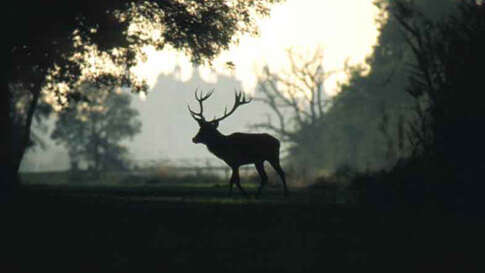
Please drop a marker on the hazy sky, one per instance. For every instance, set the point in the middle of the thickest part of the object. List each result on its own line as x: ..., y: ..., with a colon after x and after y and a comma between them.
x: 344, y: 29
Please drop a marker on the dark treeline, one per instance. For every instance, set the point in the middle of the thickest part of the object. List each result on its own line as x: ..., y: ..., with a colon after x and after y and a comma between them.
x: 446, y: 164
x: 412, y: 126
x: 369, y: 117
x: 419, y: 113
x: 364, y: 126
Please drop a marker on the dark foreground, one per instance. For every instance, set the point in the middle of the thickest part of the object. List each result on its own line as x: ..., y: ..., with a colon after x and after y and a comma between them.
x: 200, y: 230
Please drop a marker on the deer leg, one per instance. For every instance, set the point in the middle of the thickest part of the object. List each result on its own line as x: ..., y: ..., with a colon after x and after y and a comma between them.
x: 231, y: 183
x: 262, y: 175
x: 276, y: 165
x: 235, y: 173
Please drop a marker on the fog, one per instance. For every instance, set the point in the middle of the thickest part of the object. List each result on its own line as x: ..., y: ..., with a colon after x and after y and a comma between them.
x: 167, y: 127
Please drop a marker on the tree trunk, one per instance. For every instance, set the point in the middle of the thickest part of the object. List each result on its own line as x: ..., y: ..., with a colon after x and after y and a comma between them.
x: 13, y: 140
x: 95, y: 148
x: 25, y: 136
x: 8, y: 172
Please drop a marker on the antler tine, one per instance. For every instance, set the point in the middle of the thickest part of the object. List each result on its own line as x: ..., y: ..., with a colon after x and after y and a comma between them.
x: 244, y: 100
x: 196, y: 116
x: 200, y: 97
x: 192, y: 112
x: 239, y: 99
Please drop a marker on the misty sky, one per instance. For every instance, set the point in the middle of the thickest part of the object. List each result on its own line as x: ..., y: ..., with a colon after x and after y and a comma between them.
x: 345, y: 30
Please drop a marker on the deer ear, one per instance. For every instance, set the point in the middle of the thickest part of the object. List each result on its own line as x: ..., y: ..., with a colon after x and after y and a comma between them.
x: 215, y: 124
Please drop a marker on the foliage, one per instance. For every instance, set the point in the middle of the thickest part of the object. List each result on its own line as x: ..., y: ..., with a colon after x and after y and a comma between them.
x: 446, y: 79
x: 370, y: 116
x: 93, y: 131
x: 446, y: 167
x: 60, y: 41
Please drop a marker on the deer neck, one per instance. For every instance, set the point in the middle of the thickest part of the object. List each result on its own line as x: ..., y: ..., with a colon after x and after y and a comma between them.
x: 218, y: 141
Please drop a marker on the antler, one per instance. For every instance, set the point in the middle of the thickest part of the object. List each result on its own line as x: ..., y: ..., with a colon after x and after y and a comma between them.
x: 200, y: 97
x: 240, y: 99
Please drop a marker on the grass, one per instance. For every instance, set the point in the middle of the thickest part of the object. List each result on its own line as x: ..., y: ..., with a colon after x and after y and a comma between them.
x: 171, y: 228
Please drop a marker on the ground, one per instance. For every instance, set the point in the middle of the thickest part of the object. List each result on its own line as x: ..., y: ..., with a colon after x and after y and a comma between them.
x: 191, y: 229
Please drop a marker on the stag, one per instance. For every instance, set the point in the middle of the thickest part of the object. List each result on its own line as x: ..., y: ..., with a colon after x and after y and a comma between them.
x: 238, y: 149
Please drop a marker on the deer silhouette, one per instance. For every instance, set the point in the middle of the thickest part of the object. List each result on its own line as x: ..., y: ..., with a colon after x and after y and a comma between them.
x: 238, y: 149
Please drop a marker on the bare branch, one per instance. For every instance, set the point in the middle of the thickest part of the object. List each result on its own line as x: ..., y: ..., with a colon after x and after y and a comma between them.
x: 300, y: 90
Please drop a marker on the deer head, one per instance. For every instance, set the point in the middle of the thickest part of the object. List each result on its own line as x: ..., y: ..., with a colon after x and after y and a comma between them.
x: 208, y: 129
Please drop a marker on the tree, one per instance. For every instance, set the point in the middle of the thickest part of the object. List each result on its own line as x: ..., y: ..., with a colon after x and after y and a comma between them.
x: 299, y: 103
x: 369, y: 116
x: 93, y: 132
x: 447, y: 81
x: 50, y: 43
x: 21, y: 117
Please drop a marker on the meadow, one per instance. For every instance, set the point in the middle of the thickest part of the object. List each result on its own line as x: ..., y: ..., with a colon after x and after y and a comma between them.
x: 192, y: 228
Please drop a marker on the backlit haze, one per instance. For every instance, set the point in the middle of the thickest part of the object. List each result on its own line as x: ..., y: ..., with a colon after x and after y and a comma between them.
x: 345, y: 30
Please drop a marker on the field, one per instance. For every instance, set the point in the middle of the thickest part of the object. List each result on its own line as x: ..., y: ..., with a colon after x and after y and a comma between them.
x: 190, y: 228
